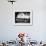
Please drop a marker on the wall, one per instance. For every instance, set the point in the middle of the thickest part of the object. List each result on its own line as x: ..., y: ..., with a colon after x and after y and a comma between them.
x: 9, y: 31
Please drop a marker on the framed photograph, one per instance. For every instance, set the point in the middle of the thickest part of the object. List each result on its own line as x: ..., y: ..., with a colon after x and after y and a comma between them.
x: 23, y: 18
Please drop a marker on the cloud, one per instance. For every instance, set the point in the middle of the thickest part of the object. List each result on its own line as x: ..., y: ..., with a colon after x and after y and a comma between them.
x: 22, y: 15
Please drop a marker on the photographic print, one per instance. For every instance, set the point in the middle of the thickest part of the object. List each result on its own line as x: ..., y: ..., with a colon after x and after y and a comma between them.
x: 23, y: 18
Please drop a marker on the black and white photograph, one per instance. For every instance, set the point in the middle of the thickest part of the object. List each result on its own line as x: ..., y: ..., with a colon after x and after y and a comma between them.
x: 23, y: 18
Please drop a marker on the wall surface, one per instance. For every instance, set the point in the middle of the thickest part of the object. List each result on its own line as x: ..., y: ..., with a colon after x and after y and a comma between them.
x: 8, y: 30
